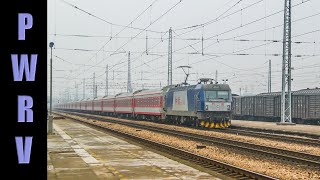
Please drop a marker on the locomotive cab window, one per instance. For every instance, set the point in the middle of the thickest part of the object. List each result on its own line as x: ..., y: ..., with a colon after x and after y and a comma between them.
x: 223, y: 95
x: 211, y: 95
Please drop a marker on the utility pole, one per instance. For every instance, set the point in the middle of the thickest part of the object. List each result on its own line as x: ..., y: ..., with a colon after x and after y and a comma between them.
x: 286, y: 67
x: 76, y: 86
x: 216, y: 76
x: 68, y: 95
x: 94, y: 85
x: 269, y: 77
x: 106, y: 93
x: 129, y: 88
x: 96, y: 91
x: 170, y: 58
x: 84, y: 88
x: 50, y: 118
x: 147, y: 44
x: 202, y: 46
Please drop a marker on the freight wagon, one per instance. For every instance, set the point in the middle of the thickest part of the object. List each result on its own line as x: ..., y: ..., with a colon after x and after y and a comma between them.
x: 267, y: 107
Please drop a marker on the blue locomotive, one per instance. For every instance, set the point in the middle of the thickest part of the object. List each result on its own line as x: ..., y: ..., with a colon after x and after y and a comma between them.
x: 206, y: 104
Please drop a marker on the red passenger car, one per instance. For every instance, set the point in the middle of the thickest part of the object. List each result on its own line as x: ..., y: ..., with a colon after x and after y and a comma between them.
x: 148, y: 104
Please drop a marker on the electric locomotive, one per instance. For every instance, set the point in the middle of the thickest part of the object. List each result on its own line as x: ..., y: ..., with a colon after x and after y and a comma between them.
x: 206, y: 104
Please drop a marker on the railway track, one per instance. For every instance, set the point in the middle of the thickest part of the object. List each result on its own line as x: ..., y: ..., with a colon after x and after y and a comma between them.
x: 281, y: 154
x: 211, y: 164
x: 315, y: 141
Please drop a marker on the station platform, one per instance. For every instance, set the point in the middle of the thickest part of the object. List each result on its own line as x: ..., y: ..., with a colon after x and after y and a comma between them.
x: 76, y: 151
x: 297, y: 128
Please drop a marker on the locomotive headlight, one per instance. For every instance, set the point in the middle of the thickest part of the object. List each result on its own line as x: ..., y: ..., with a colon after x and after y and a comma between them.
x: 206, y: 107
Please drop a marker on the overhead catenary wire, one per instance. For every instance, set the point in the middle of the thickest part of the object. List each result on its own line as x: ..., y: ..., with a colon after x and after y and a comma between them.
x: 125, y: 27
x: 121, y: 62
x: 185, y: 39
x: 220, y: 18
x: 151, y: 23
x: 217, y: 53
x: 255, y: 32
x: 106, y: 21
x: 234, y: 53
x: 234, y: 29
x: 244, y: 25
x: 247, y: 24
x: 213, y: 20
x: 171, y: 8
x: 264, y: 44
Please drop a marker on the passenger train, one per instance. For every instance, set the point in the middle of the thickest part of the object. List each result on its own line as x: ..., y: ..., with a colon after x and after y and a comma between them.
x: 205, y: 104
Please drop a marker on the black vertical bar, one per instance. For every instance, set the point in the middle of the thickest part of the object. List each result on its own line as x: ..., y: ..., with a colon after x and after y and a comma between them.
x: 35, y: 43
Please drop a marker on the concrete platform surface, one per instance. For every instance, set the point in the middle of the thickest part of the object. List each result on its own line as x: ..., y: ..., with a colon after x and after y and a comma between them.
x: 77, y: 151
x: 307, y: 129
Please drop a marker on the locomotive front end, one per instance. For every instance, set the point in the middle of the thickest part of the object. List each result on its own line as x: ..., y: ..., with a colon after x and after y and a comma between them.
x: 217, y: 106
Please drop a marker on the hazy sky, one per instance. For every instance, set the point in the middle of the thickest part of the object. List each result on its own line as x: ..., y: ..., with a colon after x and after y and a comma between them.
x: 238, y: 42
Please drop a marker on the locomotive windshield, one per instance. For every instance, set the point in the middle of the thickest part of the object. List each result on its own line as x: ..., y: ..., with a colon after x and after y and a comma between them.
x: 211, y: 95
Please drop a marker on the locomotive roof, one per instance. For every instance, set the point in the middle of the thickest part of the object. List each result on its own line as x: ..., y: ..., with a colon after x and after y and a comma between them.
x: 222, y: 87
x: 177, y: 87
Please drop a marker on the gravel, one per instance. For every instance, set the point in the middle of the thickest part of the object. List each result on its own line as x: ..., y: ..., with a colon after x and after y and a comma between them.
x: 310, y: 149
x: 263, y: 165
